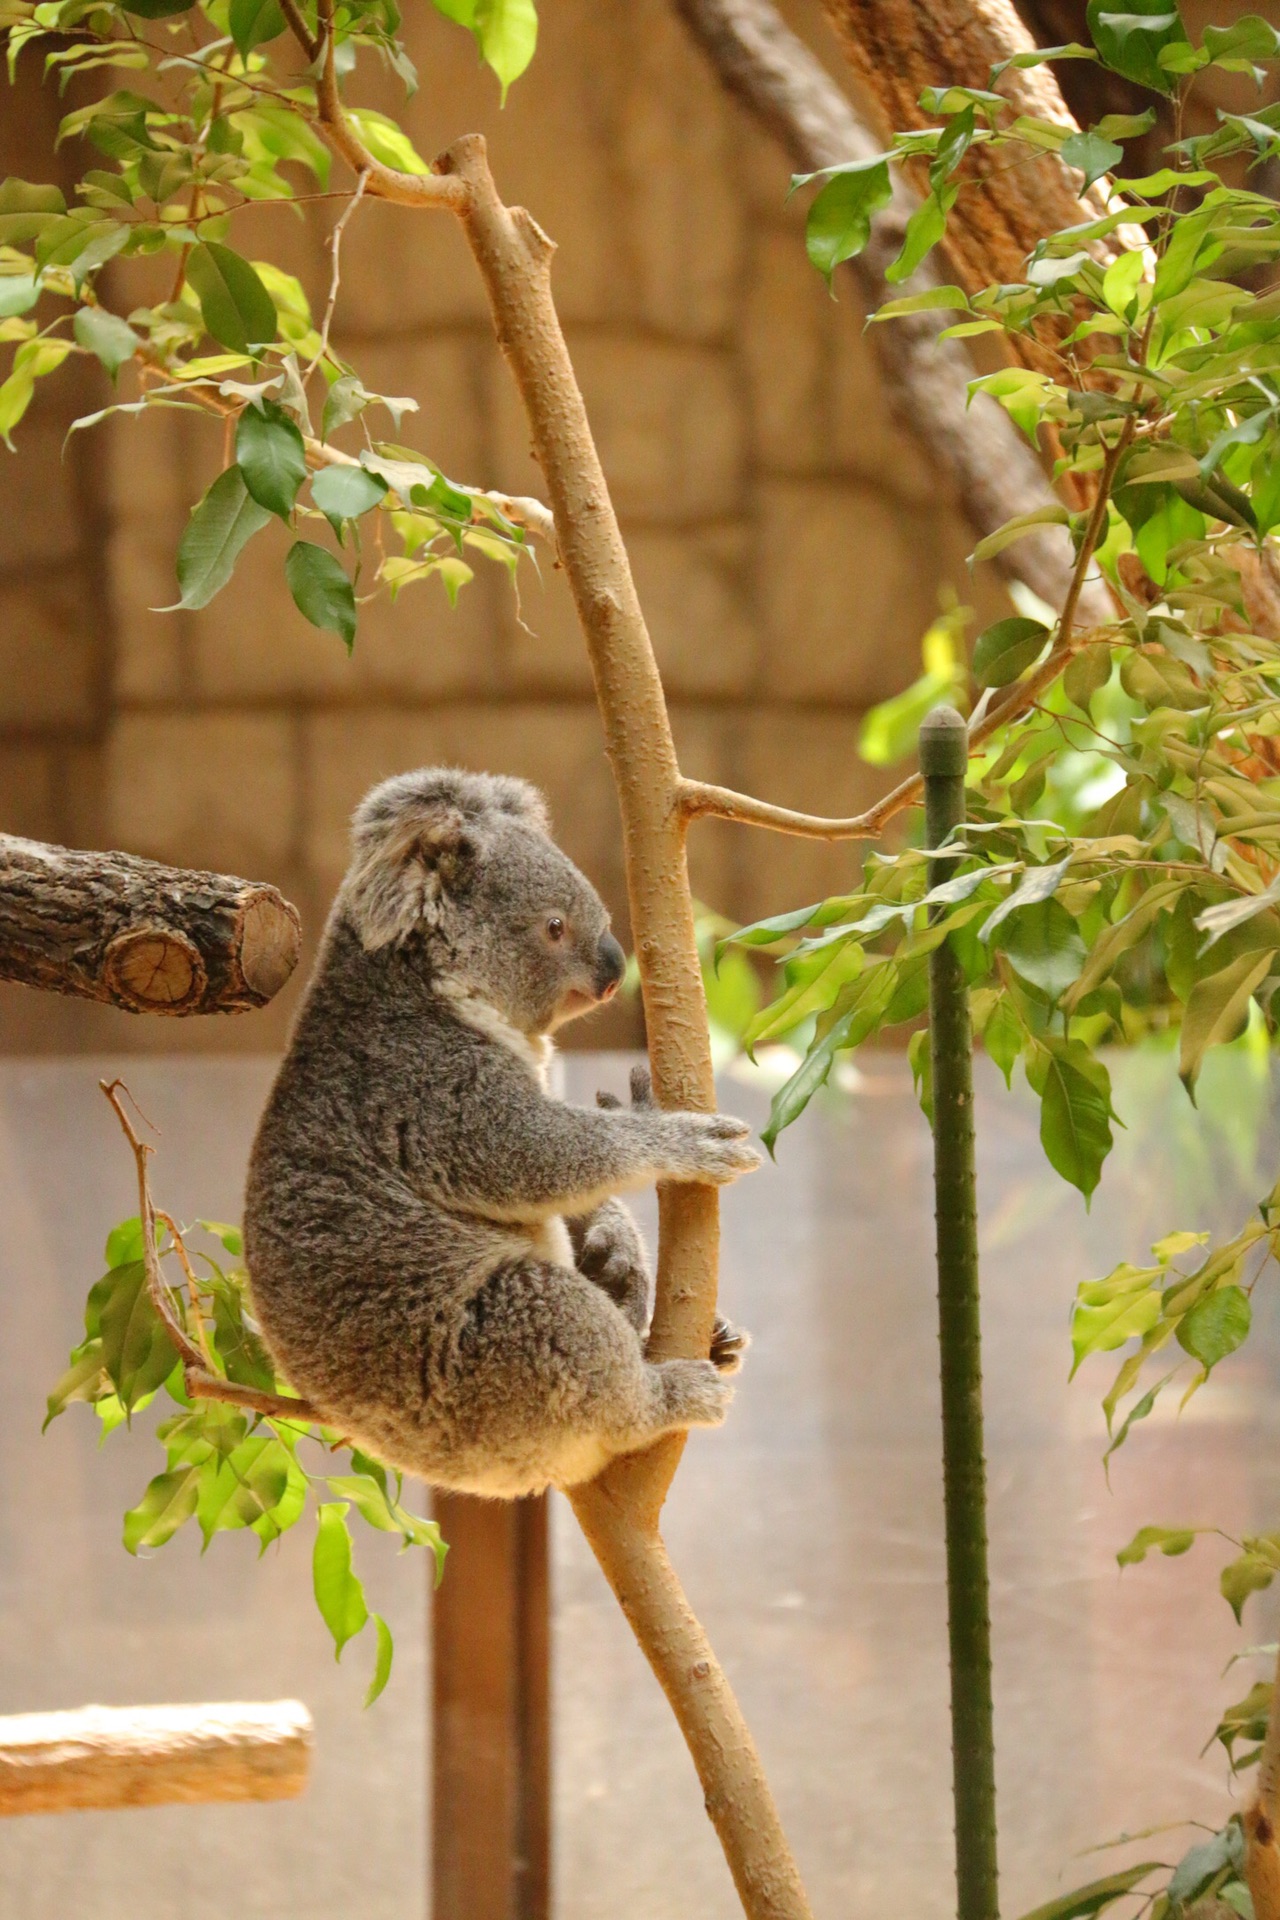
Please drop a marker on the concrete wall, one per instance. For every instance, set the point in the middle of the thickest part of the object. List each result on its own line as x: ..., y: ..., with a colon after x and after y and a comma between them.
x: 789, y: 543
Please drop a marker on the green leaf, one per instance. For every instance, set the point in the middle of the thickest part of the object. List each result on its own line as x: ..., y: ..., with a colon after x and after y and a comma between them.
x: 1088, y: 671
x: 1109, y: 1312
x: 81, y: 1381
x: 1253, y: 1572
x: 1093, y: 1898
x: 167, y: 1504
x: 253, y: 23
x: 1131, y: 42
x: 1138, y: 1411
x: 924, y: 230
x: 1075, y: 1109
x: 382, y: 1665
x: 1216, y: 1326
x: 1036, y: 885
x: 105, y: 334
x: 1245, y: 41
x: 1003, y: 1036
x: 217, y: 531
x: 507, y: 33
x: 344, y: 493
x: 952, y: 299
x: 321, y: 590
x: 1007, y: 649
x: 1170, y: 1540
x: 1217, y: 1009
x: 1042, y: 944
x: 231, y: 1236
x: 339, y: 1595
x: 1017, y: 528
x: 839, y: 222
x: 124, y: 1243
x: 1092, y: 153
x: 386, y: 141
x: 1201, y: 1864
x: 238, y: 311
x: 271, y: 457
x: 1121, y: 281
x: 27, y: 209
x: 137, y: 1352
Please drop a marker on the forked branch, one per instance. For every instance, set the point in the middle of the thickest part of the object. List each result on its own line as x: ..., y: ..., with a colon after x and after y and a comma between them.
x: 200, y: 1383
x: 619, y: 1512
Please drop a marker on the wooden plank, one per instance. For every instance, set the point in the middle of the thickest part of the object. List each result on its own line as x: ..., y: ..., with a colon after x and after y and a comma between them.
x: 153, y: 1756
x: 491, y: 1763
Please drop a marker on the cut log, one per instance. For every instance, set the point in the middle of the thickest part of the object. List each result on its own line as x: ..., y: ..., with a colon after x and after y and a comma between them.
x: 153, y: 1756
x: 130, y: 933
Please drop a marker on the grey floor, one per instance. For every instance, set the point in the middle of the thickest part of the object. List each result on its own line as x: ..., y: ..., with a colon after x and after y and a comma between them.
x: 808, y: 1533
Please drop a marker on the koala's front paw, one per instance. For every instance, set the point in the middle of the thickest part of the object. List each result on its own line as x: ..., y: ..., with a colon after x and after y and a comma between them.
x: 728, y: 1345
x: 712, y: 1147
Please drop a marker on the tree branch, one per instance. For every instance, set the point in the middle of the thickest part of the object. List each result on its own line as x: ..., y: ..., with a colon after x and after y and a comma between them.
x: 146, y: 938
x: 996, y: 475
x: 200, y: 1383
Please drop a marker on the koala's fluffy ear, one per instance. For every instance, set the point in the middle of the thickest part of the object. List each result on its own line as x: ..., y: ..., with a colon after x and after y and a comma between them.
x: 404, y: 866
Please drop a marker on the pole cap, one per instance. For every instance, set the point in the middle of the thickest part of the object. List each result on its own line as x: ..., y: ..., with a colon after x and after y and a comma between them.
x: 944, y: 744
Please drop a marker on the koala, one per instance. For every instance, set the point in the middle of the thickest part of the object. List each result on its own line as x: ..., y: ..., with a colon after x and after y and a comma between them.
x: 437, y: 1256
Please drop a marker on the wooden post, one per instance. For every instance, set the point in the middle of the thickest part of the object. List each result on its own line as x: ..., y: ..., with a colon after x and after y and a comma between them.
x: 491, y: 1726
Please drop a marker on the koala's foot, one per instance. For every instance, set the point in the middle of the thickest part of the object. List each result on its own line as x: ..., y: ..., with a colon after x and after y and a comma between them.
x: 728, y: 1346
x: 612, y: 1258
x: 694, y: 1394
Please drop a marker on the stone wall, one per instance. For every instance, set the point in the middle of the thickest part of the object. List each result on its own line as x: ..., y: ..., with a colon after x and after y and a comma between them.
x: 789, y: 543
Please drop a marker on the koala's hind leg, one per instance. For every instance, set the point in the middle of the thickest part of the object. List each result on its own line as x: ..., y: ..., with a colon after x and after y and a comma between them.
x: 609, y: 1252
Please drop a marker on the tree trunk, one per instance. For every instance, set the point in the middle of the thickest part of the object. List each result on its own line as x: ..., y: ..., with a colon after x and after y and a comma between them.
x: 150, y: 939
x: 996, y: 475
x: 153, y: 1756
x: 897, y: 48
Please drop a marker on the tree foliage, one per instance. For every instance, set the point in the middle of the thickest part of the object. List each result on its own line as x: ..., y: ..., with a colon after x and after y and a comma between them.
x: 147, y: 268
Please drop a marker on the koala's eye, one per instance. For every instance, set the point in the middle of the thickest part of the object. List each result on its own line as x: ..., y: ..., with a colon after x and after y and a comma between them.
x: 555, y: 927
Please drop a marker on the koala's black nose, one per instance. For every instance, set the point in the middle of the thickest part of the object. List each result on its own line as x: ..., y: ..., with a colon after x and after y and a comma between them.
x: 611, y: 964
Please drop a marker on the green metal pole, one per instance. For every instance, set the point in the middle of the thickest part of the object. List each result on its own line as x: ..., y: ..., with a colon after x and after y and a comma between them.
x: 944, y: 752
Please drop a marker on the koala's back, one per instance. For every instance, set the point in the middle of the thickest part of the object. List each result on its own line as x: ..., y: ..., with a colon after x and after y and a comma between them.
x: 361, y: 1277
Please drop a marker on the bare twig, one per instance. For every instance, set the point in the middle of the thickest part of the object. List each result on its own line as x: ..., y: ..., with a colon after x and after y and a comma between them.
x: 200, y: 1384
x: 335, y: 281
x: 193, y: 1285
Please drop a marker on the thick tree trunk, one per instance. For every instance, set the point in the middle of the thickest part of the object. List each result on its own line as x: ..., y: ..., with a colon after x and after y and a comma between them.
x: 977, y: 447
x: 897, y: 48
x: 153, y: 1756
x: 150, y: 939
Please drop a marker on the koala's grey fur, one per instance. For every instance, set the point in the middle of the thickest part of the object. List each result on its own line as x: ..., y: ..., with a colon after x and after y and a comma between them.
x: 435, y: 1254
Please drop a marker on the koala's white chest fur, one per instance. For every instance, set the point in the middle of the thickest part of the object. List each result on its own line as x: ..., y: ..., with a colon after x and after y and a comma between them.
x: 549, y: 1238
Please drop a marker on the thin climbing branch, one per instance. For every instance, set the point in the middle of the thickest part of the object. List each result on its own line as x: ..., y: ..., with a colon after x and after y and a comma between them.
x: 201, y: 1384
x: 619, y: 1512
x: 696, y: 799
x: 386, y: 183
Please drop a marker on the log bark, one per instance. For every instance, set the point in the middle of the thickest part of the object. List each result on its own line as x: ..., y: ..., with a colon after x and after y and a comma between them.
x: 994, y: 472
x: 147, y: 938
x: 897, y: 48
x: 99, y: 1757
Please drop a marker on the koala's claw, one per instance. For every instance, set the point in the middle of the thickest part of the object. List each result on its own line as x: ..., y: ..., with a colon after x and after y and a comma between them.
x: 728, y: 1345
x: 642, y: 1087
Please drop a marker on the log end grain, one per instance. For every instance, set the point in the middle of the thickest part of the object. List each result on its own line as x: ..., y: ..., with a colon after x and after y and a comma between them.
x: 270, y: 942
x: 154, y: 970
